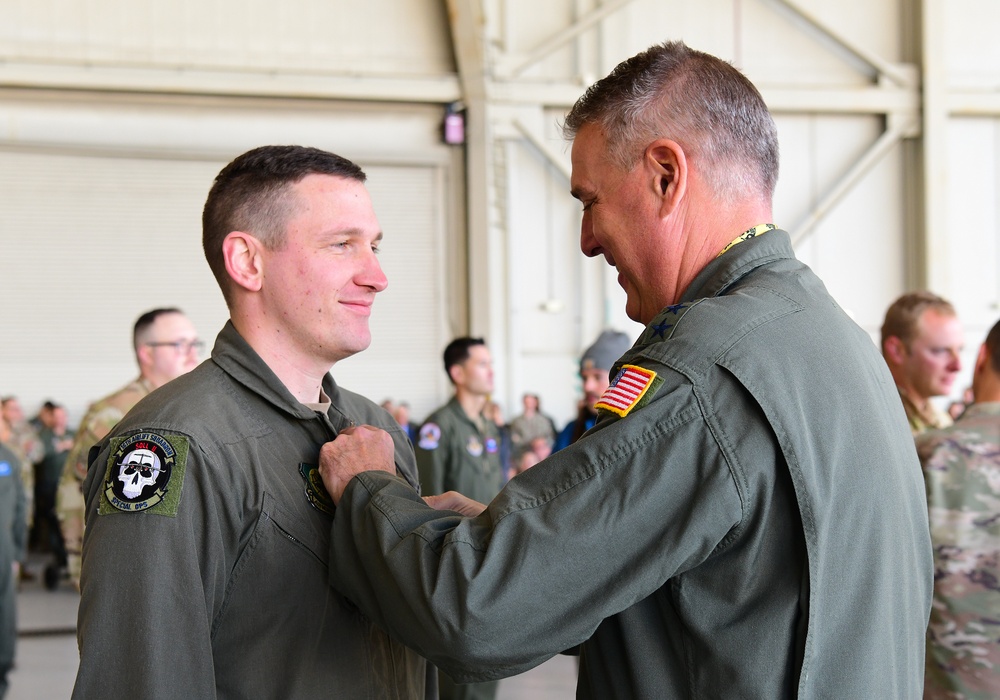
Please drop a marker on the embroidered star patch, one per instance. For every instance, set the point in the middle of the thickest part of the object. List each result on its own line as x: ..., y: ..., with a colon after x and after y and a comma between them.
x: 628, y: 389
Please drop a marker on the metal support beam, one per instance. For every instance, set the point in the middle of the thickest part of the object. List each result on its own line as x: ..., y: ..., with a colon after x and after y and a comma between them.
x: 876, y: 62
x: 439, y: 89
x: 561, y: 38
x: 557, y: 160
x: 935, y: 149
x: 843, y: 185
x: 487, y: 248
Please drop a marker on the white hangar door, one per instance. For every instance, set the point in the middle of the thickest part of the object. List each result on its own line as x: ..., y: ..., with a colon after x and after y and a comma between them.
x: 91, y: 237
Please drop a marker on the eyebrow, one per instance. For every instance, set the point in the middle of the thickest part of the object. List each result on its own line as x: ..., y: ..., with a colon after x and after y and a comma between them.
x: 354, y: 233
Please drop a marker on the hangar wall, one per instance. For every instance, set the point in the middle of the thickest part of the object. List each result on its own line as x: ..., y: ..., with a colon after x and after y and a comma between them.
x: 114, y: 116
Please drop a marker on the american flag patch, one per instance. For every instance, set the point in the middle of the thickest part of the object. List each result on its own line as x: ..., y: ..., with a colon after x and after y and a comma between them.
x: 626, y: 390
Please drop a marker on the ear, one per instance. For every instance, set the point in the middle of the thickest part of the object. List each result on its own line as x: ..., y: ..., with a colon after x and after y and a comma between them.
x: 457, y: 374
x: 144, y: 356
x: 894, y: 350
x: 667, y: 167
x: 982, y: 359
x: 244, y: 262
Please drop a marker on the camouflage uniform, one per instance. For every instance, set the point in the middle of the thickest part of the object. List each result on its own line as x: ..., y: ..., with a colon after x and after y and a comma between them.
x: 101, y: 417
x: 27, y: 446
x: 927, y: 419
x: 962, y: 470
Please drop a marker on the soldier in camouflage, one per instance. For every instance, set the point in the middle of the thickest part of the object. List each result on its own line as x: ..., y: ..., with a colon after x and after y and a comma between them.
x: 962, y: 470
x: 921, y: 344
x: 166, y: 346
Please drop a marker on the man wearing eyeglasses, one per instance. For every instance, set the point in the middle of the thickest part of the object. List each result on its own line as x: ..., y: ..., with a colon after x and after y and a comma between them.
x: 166, y: 346
x: 207, y: 557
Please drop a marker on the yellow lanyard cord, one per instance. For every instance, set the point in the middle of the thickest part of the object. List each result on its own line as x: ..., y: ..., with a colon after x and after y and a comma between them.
x: 758, y: 230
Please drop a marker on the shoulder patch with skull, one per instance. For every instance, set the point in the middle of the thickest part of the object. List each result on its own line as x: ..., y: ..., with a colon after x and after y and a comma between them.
x: 145, y: 472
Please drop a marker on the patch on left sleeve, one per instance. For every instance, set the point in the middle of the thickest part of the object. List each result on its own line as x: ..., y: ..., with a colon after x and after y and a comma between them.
x: 632, y: 387
x: 145, y: 472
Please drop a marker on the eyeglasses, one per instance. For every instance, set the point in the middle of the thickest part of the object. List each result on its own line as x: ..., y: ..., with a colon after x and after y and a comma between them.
x: 181, y: 346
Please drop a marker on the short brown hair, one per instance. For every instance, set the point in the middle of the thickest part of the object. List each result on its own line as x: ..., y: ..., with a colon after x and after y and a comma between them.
x: 903, y: 315
x: 251, y: 194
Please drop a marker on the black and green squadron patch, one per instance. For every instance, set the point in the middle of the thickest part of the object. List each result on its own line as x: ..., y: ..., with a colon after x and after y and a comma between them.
x: 316, y: 492
x: 145, y: 472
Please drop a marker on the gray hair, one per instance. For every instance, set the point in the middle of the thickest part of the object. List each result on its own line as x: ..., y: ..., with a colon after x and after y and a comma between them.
x: 702, y: 102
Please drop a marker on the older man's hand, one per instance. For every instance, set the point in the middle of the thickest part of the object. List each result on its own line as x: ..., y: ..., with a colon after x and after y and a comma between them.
x: 357, y: 449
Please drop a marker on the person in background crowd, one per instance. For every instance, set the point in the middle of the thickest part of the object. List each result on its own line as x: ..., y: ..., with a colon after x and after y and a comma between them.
x: 57, y: 438
x: 962, y: 470
x: 494, y: 411
x: 166, y: 346
x: 402, y: 416
x: 747, y: 517
x: 922, y: 342
x: 595, y: 364
x: 531, y: 424
x: 27, y: 446
x: 13, y: 543
x: 458, y: 450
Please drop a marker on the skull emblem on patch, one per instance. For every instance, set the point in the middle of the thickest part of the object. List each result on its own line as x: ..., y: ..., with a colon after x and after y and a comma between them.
x: 139, y: 471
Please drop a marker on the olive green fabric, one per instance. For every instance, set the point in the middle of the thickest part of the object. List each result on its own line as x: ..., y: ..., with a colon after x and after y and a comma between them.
x: 13, y: 540
x: 758, y: 529
x: 463, y: 458
x: 454, y: 454
x: 229, y: 596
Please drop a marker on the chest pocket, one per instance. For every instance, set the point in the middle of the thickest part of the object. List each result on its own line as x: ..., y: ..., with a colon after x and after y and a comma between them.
x: 282, y: 547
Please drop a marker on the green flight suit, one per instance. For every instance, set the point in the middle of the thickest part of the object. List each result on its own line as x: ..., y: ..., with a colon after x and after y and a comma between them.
x: 13, y: 541
x: 214, y: 582
x: 455, y: 454
x: 754, y: 527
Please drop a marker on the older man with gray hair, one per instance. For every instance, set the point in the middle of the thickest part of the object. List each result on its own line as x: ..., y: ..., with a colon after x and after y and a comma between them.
x: 747, y: 517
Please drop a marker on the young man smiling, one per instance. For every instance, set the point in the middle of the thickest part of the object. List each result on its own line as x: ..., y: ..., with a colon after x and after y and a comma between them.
x: 207, y: 551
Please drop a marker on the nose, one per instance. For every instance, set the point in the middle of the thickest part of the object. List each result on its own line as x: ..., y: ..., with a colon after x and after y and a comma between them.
x: 955, y: 363
x: 371, y: 274
x: 588, y: 243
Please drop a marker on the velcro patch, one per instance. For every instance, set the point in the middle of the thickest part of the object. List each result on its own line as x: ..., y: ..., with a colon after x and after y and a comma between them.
x: 631, y: 387
x: 316, y: 492
x: 430, y: 436
x: 145, y: 472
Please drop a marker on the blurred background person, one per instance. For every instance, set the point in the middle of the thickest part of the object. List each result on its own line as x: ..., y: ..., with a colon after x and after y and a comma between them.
x: 57, y: 439
x: 402, y: 416
x: 166, y: 346
x: 24, y: 442
x: 13, y: 543
x: 922, y: 340
x: 531, y: 424
x: 962, y: 469
x: 458, y: 450
x: 595, y: 364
